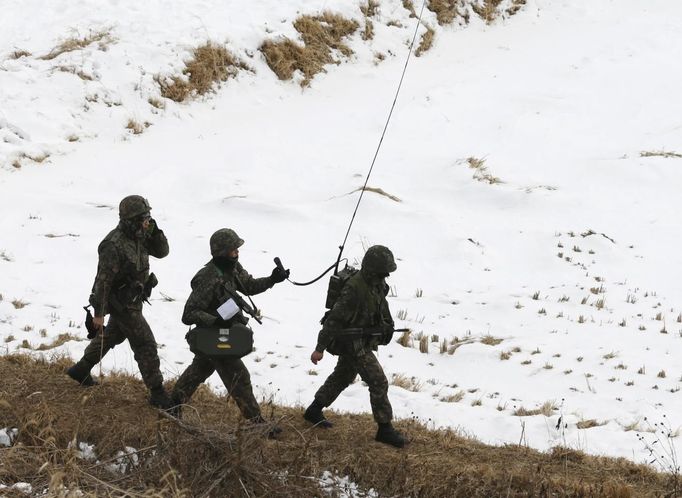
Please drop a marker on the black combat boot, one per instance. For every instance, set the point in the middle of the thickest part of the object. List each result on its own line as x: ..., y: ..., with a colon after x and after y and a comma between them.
x: 313, y: 414
x: 273, y: 430
x: 387, y: 434
x: 81, y: 374
x: 158, y: 398
x: 175, y: 409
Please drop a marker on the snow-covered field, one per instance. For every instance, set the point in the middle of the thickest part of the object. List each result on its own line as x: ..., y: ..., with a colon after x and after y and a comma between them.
x: 572, y: 260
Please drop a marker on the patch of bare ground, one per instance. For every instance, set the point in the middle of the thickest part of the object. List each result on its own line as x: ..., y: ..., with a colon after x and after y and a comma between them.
x: 211, y: 452
x: 210, y: 63
x: 321, y: 35
x: 71, y: 44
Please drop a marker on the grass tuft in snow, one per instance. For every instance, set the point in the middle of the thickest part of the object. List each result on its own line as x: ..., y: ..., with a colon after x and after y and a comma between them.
x: 72, y: 44
x: 425, y: 42
x: 370, y: 8
x: 60, y: 340
x: 447, y: 11
x: 660, y: 153
x: 489, y: 340
x: 481, y: 172
x: 546, y: 409
x: 321, y: 35
x: 211, y: 63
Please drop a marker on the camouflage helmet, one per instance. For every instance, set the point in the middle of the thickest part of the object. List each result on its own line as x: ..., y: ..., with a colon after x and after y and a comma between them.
x: 132, y: 206
x: 379, y: 259
x: 224, y: 241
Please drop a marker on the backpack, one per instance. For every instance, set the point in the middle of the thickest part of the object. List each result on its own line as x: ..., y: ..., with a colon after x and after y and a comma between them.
x: 336, y: 284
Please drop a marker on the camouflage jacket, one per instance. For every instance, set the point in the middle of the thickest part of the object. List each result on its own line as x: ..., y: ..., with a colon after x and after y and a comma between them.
x: 123, y: 269
x: 208, y: 293
x: 362, y: 304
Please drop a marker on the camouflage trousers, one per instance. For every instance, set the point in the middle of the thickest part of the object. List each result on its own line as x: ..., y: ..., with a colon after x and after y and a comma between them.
x: 347, y: 368
x: 232, y: 372
x: 129, y: 325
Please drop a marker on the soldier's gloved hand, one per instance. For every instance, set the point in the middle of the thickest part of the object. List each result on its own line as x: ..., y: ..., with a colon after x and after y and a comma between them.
x: 279, y: 274
x: 151, y: 227
x: 316, y: 356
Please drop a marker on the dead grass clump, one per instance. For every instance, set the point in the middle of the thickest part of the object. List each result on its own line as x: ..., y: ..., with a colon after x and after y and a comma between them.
x: 72, y: 44
x: 408, y: 383
x: 487, y: 10
x: 210, y: 63
x: 368, y: 32
x: 156, y: 103
x: 481, y: 172
x: 405, y: 339
x: 489, y: 340
x: 76, y: 71
x: 321, y: 35
x: 18, y: 304
x: 453, y: 398
x: 425, y: 42
x: 424, y: 345
x: 380, y: 191
x: 60, y: 340
x: 53, y: 414
x: 515, y: 7
x: 546, y: 409
x: 588, y: 424
x: 370, y: 8
x: 660, y: 153
x: 18, y: 54
x: 409, y: 6
x: 447, y: 10
x: 135, y: 127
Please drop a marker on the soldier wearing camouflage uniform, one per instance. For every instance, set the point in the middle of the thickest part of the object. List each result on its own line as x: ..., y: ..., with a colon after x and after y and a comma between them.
x: 208, y: 294
x: 362, y: 304
x: 121, y: 285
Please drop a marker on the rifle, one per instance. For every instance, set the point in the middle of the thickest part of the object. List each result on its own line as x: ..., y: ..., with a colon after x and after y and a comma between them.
x: 366, y: 332
x: 243, y: 305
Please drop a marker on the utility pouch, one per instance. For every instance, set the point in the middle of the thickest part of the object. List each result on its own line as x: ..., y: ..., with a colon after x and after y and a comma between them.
x: 215, y: 342
x: 151, y: 282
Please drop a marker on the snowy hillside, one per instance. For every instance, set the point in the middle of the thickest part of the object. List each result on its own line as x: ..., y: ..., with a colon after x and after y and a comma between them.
x: 534, y: 163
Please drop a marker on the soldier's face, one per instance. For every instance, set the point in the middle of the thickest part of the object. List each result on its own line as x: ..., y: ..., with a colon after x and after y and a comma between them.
x: 234, y: 253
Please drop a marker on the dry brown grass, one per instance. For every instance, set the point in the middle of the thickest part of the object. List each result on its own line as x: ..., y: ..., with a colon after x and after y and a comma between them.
x: 481, y: 172
x: 546, y: 409
x: 368, y: 32
x: 447, y: 10
x: 487, y: 9
x: 490, y: 340
x: 60, y: 340
x: 135, y: 127
x: 321, y: 35
x: 660, y: 153
x: 19, y: 304
x: 380, y: 191
x: 76, y: 71
x: 370, y: 8
x: 18, y: 54
x: 71, y: 44
x: 214, y: 454
x: 409, y: 6
x: 515, y: 7
x: 588, y: 424
x: 425, y: 42
x: 210, y: 63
